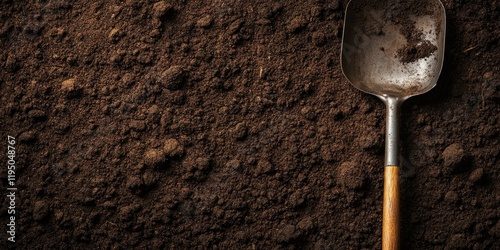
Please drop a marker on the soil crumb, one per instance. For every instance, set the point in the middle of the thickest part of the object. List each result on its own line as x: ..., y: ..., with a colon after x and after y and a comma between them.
x: 402, y: 14
x: 416, y: 50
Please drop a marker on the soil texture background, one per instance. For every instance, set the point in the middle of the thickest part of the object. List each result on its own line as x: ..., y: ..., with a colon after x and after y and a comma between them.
x: 229, y: 125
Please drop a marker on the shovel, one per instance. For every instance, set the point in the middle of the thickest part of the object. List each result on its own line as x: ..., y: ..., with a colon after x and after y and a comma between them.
x: 393, y: 49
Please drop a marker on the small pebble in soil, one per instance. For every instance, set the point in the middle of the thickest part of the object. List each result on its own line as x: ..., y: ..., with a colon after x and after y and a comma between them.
x: 488, y: 75
x: 173, y: 148
x: 154, y: 158
x: 453, y: 157
x: 115, y: 35
x: 477, y: 175
x: 173, y: 78
x: 161, y: 8
x: 109, y: 205
x: 235, y: 26
x: 68, y: 85
x: 351, y: 176
x: 204, y: 22
x: 240, y: 131
x: 27, y: 136
x: 297, y: 24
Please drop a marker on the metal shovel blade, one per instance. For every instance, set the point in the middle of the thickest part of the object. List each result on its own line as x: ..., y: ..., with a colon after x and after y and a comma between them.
x: 393, y: 47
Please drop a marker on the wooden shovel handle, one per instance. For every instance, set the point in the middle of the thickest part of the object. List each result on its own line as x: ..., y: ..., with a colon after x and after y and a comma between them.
x: 390, y: 213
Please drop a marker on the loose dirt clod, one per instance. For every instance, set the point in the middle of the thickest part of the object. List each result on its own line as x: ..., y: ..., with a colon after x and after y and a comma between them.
x: 240, y: 131
x: 415, y: 50
x: 351, y: 176
x: 453, y: 156
x: 154, y: 157
x: 477, y: 175
x: 234, y: 165
x: 173, y: 148
x: 297, y: 23
x: 114, y: 35
x: 205, y: 22
x: 195, y: 168
x: 161, y: 8
x: 173, y: 78
x: 27, y: 136
x: 68, y: 85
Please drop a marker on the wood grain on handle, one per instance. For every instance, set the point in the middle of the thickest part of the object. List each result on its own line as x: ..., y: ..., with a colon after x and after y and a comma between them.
x: 390, y: 213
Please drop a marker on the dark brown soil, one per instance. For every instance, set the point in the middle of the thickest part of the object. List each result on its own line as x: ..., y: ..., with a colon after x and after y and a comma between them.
x: 229, y: 125
x: 416, y: 49
x: 400, y: 13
